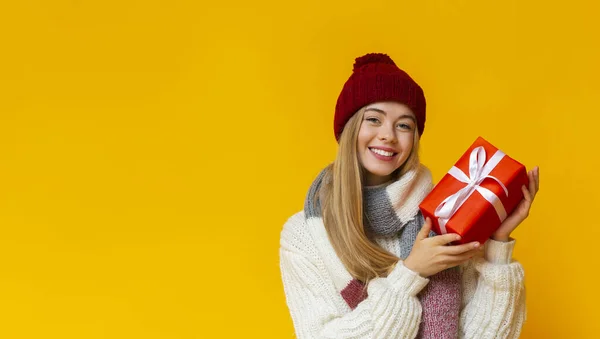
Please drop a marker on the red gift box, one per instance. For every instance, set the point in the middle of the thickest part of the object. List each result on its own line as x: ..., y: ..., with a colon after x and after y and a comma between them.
x: 476, y: 195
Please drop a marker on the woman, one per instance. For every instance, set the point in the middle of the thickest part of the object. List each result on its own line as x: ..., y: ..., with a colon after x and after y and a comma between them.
x: 360, y: 262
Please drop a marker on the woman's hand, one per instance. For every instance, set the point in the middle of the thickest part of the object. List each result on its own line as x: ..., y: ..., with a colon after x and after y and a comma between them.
x: 522, y: 211
x: 431, y: 255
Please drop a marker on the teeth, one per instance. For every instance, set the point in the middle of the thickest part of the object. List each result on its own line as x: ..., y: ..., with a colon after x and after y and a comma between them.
x: 381, y: 152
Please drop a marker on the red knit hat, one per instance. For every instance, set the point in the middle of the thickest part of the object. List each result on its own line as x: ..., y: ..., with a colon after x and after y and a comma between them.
x: 376, y: 77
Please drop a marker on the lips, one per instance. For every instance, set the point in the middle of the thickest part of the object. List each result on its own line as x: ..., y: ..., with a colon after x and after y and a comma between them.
x: 389, y: 149
x: 385, y: 151
x: 382, y: 154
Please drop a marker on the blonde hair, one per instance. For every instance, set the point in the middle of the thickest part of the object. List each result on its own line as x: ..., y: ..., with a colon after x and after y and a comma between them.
x: 342, y: 207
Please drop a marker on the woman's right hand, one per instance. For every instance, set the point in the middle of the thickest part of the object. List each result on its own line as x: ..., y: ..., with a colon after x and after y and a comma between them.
x: 431, y: 255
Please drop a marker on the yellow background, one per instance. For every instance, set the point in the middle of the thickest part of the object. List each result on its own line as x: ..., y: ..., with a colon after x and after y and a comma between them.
x: 150, y: 151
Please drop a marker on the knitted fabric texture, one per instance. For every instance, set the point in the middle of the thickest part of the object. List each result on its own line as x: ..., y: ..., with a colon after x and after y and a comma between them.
x: 313, y: 277
x: 375, y: 77
x: 441, y: 299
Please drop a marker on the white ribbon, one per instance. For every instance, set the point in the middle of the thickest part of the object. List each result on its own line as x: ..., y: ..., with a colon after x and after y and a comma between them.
x: 479, y: 170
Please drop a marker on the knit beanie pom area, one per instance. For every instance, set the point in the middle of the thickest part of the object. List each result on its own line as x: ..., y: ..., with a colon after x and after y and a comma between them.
x: 372, y: 58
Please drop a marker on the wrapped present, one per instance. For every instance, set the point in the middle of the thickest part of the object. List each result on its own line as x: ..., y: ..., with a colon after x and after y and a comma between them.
x: 477, y: 194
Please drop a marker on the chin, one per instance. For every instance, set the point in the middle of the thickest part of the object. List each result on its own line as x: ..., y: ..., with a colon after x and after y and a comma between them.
x: 381, y: 172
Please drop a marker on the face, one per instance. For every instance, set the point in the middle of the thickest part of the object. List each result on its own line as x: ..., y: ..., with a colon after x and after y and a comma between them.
x: 385, y: 140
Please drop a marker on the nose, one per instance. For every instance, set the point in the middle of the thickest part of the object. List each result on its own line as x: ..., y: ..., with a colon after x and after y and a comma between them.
x: 387, y: 134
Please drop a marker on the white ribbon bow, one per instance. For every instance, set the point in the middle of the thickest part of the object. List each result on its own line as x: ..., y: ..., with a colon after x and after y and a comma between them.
x: 478, y: 171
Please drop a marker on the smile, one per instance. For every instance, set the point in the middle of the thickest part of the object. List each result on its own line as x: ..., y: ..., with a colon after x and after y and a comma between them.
x: 381, y: 154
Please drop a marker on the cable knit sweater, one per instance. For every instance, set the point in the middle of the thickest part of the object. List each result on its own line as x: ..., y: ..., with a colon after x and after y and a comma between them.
x: 493, y: 292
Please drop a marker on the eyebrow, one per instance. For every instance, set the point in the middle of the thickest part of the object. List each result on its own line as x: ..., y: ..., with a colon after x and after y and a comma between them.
x: 384, y: 113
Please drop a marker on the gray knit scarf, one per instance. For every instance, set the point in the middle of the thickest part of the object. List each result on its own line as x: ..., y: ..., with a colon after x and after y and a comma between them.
x: 392, y: 209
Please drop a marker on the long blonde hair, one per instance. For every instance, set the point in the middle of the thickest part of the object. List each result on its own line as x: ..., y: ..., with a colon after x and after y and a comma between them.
x: 342, y: 207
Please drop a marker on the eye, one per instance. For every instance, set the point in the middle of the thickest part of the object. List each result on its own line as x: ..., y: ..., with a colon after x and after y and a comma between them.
x: 373, y: 120
x: 405, y: 126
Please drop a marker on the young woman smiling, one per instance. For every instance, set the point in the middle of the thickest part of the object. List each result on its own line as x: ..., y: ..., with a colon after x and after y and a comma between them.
x: 360, y: 262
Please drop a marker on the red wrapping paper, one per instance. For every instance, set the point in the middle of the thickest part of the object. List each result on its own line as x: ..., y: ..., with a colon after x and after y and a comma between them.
x: 476, y: 219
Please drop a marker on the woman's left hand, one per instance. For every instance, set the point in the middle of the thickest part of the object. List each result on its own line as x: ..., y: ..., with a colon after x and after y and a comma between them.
x: 522, y: 211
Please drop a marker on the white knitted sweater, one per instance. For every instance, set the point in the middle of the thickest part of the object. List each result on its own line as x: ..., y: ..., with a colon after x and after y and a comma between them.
x: 493, y: 301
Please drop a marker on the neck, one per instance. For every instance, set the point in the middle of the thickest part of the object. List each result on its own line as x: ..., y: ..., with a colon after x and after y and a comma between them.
x: 376, y: 180
x: 377, y: 185
x: 390, y: 205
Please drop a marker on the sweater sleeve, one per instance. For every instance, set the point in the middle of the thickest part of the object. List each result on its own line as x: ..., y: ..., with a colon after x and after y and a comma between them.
x: 493, y: 294
x: 391, y: 310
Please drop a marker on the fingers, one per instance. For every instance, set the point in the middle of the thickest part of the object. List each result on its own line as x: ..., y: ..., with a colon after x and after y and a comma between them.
x: 445, y: 239
x: 534, y: 181
x: 532, y: 185
x: 464, y: 248
x: 424, y: 232
x: 454, y: 260
x: 537, y: 178
x: 526, y: 194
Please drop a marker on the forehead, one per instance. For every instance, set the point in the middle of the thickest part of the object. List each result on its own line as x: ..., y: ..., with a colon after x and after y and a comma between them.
x: 392, y: 107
